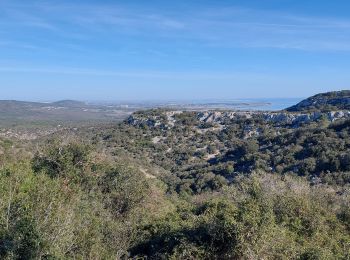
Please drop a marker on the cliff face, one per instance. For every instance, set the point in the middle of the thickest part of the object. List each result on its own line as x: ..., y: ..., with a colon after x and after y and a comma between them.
x: 274, y: 117
x: 168, y: 119
x: 329, y: 106
x: 337, y: 100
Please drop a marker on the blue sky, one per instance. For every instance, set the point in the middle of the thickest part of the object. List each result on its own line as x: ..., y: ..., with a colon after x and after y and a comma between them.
x: 137, y: 49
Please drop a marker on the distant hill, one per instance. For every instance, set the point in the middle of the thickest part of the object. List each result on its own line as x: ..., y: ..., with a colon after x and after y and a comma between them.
x: 330, y: 101
x: 11, y: 108
x: 69, y: 103
x: 13, y: 112
x: 15, y: 104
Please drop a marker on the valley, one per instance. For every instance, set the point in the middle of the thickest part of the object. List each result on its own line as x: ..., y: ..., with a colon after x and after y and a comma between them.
x: 174, y: 183
x: 174, y: 130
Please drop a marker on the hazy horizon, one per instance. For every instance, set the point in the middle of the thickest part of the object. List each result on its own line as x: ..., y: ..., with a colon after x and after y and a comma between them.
x: 192, y: 100
x: 59, y: 95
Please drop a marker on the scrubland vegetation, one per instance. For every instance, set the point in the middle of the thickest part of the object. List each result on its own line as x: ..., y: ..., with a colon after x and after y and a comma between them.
x: 248, y: 190
x: 64, y: 204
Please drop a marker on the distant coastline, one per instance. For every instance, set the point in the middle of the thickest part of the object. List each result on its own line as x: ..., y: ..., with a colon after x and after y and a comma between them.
x: 265, y: 104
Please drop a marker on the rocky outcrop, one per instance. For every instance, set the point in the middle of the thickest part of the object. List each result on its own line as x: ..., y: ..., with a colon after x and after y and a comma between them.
x: 274, y: 117
x: 168, y: 119
x: 337, y: 100
x: 329, y: 106
x: 299, y: 118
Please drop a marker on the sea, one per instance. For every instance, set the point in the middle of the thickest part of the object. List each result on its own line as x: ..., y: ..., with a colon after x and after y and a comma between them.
x: 253, y: 104
x: 267, y: 104
x: 263, y: 104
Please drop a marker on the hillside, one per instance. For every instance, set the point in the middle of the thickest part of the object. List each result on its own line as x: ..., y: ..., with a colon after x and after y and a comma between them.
x: 174, y: 184
x: 32, y: 113
x: 330, y: 101
x: 69, y: 103
x: 202, y: 148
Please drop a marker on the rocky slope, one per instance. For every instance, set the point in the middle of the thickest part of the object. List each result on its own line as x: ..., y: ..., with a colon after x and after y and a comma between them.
x: 329, y: 106
x: 330, y: 101
x: 167, y: 119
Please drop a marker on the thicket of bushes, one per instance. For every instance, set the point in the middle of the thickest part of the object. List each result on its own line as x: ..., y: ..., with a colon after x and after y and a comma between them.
x: 66, y: 204
x: 63, y: 205
x: 209, y: 160
x: 195, y: 191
